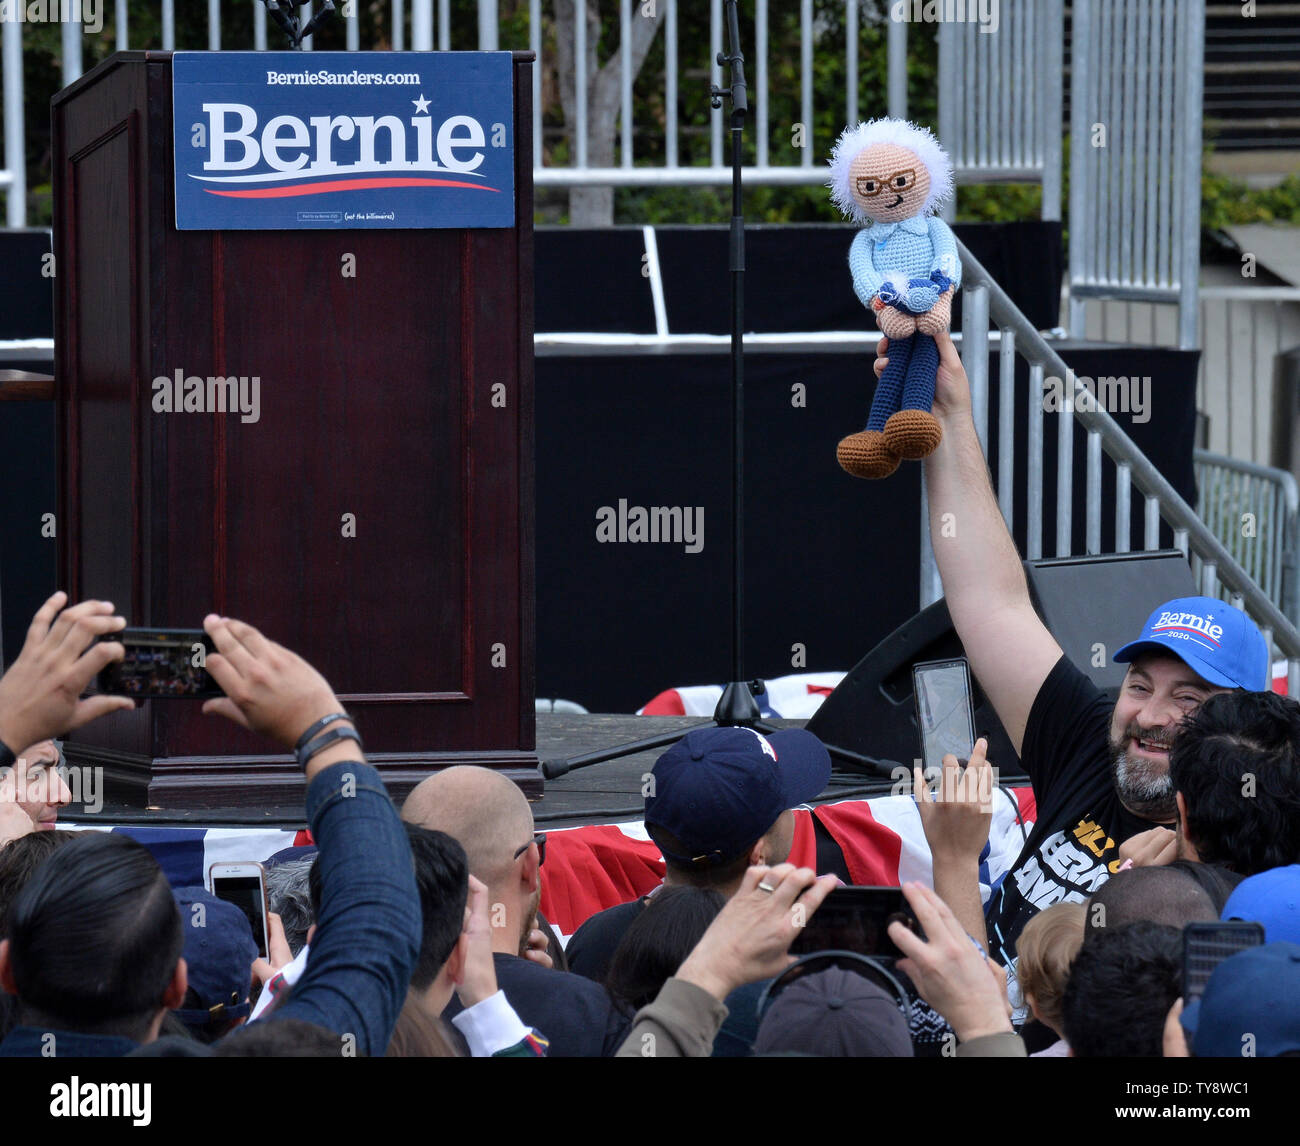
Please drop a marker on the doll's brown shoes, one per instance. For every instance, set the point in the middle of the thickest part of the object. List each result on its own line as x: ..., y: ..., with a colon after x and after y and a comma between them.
x: 912, y: 434
x: 867, y: 455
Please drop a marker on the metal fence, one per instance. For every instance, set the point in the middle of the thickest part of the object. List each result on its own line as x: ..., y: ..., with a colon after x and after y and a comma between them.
x: 996, y: 129
x: 1243, y: 332
x: 1135, y: 159
x: 1218, y: 570
x: 1253, y: 510
x: 1000, y: 98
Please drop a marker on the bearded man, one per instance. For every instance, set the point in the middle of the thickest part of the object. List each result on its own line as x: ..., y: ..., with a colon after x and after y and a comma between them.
x: 1100, y: 771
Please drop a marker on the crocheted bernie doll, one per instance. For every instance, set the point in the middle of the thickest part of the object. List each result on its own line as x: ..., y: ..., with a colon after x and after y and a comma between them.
x: 892, y: 175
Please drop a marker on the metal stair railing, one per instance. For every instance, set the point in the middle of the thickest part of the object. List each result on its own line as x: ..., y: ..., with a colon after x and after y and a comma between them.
x: 1217, y: 570
x: 1254, y: 511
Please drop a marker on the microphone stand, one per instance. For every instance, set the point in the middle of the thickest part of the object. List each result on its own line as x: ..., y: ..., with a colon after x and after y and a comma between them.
x: 737, y: 706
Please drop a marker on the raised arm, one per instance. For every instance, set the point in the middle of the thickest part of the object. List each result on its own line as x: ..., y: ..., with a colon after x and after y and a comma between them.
x: 1009, y: 648
x: 368, y: 931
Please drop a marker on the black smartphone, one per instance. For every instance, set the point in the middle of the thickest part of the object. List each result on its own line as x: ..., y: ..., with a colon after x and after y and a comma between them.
x: 160, y: 664
x: 944, y: 712
x: 1206, y: 945
x: 244, y: 885
x: 856, y: 919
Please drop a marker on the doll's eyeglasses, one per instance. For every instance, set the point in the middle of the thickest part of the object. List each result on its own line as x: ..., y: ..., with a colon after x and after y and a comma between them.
x: 869, y: 187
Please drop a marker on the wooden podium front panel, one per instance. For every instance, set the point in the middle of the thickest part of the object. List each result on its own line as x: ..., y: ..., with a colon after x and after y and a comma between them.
x: 375, y: 515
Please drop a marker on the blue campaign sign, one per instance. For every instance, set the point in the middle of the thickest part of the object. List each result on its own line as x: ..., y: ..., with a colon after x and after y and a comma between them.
x: 335, y: 140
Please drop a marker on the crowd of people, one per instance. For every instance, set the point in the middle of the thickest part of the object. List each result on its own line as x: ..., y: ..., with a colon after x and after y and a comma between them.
x: 415, y: 930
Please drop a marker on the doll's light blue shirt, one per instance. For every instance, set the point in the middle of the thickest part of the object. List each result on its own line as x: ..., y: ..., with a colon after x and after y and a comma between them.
x: 912, y: 248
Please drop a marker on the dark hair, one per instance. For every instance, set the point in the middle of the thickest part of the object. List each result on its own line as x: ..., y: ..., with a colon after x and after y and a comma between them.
x: 94, y: 938
x: 442, y: 880
x: 314, y: 886
x: 702, y: 874
x: 658, y: 941
x: 1166, y: 895
x: 1233, y: 740
x: 288, y: 895
x: 19, y: 860
x: 1121, y: 986
x: 281, y: 1038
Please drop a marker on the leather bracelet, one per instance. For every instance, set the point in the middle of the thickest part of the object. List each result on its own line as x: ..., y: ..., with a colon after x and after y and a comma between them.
x: 305, y: 738
x: 324, y: 741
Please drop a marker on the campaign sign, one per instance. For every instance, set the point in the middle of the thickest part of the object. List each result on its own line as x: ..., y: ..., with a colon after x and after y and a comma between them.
x: 334, y: 140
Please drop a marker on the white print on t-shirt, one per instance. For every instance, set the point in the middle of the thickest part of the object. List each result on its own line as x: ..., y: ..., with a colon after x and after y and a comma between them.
x: 1079, y: 868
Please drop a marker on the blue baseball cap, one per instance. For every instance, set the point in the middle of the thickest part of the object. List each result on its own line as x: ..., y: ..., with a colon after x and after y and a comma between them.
x: 718, y: 790
x: 1255, y: 992
x: 1220, y: 643
x: 219, y: 953
x: 1272, y: 898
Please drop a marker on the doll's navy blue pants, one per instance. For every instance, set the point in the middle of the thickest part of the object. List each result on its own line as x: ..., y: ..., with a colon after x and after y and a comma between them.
x: 907, y: 383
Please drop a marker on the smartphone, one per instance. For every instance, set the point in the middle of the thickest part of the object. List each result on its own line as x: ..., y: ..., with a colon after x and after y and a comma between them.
x: 944, y: 712
x: 160, y: 664
x: 244, y: 885
x: 856, y: 919
x: 1206, y: 945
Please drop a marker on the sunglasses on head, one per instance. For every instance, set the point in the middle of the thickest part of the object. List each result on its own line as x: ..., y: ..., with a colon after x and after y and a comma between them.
x: 539, y: 838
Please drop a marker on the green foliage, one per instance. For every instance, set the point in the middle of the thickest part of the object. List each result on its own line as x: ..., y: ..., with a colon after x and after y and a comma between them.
x: 1225, y: 201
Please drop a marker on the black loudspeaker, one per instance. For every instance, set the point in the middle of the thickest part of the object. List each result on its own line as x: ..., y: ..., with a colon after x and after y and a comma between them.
x: 1091, y: 605
x: 872, y: 710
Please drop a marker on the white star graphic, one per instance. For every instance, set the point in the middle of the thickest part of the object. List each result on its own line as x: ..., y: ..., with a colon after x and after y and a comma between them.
x: 421, y: 105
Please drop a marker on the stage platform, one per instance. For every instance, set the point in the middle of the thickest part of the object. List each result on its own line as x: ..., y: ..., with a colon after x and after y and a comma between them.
x: 603, y: 793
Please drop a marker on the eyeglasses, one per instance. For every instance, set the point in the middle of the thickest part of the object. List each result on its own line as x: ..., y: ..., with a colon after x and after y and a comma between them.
x: 869, y: 187
x: 539, y: 838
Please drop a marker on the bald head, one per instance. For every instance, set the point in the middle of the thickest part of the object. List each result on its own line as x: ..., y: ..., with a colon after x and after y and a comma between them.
x: 481, y: 809
x: 1152, y: 894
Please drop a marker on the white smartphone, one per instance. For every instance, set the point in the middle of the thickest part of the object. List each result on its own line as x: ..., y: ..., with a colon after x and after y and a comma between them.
x: 244, y: 885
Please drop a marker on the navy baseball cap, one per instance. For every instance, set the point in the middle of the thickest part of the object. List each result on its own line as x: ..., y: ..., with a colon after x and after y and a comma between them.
x: 717, y: 790
x: 1255, y: 992
x: 219, y: 953
x: 1220, y: 643
x: 1272, y: 898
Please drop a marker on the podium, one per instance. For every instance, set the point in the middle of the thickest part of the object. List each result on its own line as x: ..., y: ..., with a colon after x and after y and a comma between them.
x: 376, y: 517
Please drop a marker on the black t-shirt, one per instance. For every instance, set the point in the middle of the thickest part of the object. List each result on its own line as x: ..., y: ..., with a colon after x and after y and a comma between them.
x: 577, y: 1016
x: 591, y: 950
x: 1074, y: 847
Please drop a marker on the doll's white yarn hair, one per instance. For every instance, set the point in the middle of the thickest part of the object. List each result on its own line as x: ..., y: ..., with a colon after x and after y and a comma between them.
x: 917, y: 139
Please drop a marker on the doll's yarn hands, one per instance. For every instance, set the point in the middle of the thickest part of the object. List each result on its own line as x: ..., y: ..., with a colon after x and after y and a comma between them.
x: 893, y: 322
x: 938, y: 317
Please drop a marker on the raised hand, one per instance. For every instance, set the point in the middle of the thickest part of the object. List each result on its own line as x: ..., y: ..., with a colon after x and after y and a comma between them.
x: 750, y: 937
x: 948, y: 971
x: 40, y: 694
x: 268, y: 688
x: 957, y: 819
